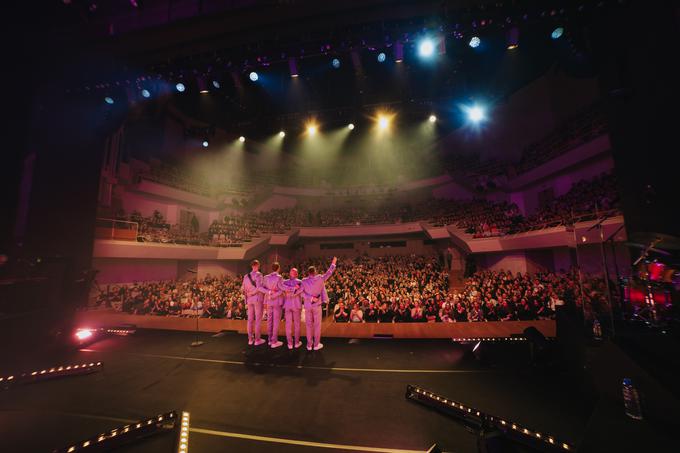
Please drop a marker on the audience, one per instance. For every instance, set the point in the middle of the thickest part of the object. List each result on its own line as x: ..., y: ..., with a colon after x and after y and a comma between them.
x: 386, y: 289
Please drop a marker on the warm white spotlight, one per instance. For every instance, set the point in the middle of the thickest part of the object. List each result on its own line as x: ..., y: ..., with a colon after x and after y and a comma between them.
x: 350, y: 126
x: 426, y: 48
x: 383, y: 122
x: 432, y: 118
x: 241, y: 139
x: 312, y: 129
x: 282, y: 134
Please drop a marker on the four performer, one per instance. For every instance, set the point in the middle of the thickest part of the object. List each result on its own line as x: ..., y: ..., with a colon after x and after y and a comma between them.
x: 287, y: 294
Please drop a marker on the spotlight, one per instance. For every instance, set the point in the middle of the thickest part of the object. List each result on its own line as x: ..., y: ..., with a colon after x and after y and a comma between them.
x: 475, y: 113
x: 556, y: 33
x: 253, y: 76
x: 426, y: 48
x: 282, y: 134
x: 312, y: 129
x: 108, y: 100
x: 216, y: 84
x: 381, y: 57
x: 205, y: 143
x: 204, y: 91
x: 335, y: 63
x: 512, y: 38
x: 350, y: 126
x: 383, y: 122
x: 180, y: 87
x: 398, y: 52
x: 83, y: 334
x: 475, y: 42
x: 432, y: 118
x: 241, y: 139
x: 145, y: 93
x: 292, y: 66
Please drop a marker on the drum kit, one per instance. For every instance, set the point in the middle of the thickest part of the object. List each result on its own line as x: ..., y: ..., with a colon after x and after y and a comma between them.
x: 655, y: 278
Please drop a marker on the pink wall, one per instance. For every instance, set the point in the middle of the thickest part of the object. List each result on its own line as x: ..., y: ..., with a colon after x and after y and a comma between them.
x: 219, y: 268
x: 128, y: 270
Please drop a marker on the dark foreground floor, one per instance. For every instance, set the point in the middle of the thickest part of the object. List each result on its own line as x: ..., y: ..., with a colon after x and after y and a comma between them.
x: 349, y: 396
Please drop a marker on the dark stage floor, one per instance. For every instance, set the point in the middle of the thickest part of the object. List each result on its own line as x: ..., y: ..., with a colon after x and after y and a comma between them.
x: 349, y: 396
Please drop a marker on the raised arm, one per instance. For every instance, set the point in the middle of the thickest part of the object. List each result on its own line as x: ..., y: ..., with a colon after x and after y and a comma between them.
x: 330, y: 270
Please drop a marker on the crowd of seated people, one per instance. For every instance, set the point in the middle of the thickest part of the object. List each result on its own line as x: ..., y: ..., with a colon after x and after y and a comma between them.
x: 582, y: 202
x: 581, y: 128
x: 387, y: 289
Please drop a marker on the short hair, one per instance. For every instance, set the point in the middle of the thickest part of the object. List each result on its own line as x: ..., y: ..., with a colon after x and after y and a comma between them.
x: 275, y: 266
x: 254, y: 263
x: 311, y: 270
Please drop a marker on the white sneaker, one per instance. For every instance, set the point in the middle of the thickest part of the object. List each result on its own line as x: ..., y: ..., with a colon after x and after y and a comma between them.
x: 290, y: 346
x: 259, y: 342
x: 318, y: 346
x: 250, y: 341
x: 276, y: 344
x: 298, y: 344
x: 309, y: 347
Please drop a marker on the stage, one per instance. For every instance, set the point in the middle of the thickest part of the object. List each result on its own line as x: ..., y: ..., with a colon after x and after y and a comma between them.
x: 347, y: 397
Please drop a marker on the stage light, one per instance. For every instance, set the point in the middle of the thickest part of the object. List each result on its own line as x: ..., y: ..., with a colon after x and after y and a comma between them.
x: 398, y: 52
x: 383, y: 122
x: 432, y: 119
x: 475, y: 113
x: 205, y: 143
x: 108, y: 100
x: 335, y: 63
x: 282, y: 134
x: 83, y: 334
x: 145, y: 93
x: 180, y: 87
x: 292, y: 66
x: 512, y: 38
x: 312, y: 129
x: 216, y: 84
x: 474, y: 42
x: 350, y: 126
x: 381, y: 57
x: 476, y: 346
x: 241, y: 139
x: 557, y: 33
x: 253, y: 76
x: 426, y: 48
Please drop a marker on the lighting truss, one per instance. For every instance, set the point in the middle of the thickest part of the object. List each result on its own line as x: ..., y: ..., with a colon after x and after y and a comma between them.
x: 126, y: 434
x: 474, y: 418
x: 50, y: 373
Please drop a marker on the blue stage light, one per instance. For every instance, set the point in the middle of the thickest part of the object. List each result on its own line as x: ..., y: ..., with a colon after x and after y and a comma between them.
x: 556, y: 33
x: 145, y: 93
x: 381, y: 57
x: 475, y: 113
x: 253, y: 76
x: 426, y: 48
x: 180, y: 87
x: 335, y: 63
x: 108, y: 100
x: 216, y: 84
x: 475, y: 42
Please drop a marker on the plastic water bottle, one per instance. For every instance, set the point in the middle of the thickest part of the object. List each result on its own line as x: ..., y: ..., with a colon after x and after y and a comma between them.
x: 631, y: 399
x: 597, y: 330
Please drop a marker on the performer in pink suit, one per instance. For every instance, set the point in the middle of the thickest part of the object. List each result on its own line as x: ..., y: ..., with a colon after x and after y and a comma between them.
x: 314, y: 295
x: 273, y: 300
x: 292, y: 306
x: 253, y: 295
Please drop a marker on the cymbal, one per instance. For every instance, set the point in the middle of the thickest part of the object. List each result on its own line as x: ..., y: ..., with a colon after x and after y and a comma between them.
x: 666, y: 241
x: 643, y: 247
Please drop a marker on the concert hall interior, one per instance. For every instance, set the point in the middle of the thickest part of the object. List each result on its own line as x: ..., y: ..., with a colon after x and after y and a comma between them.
x: 356, y: 226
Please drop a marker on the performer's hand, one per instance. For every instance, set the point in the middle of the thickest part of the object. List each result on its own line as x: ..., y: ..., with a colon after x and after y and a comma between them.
x: 335, y: 259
